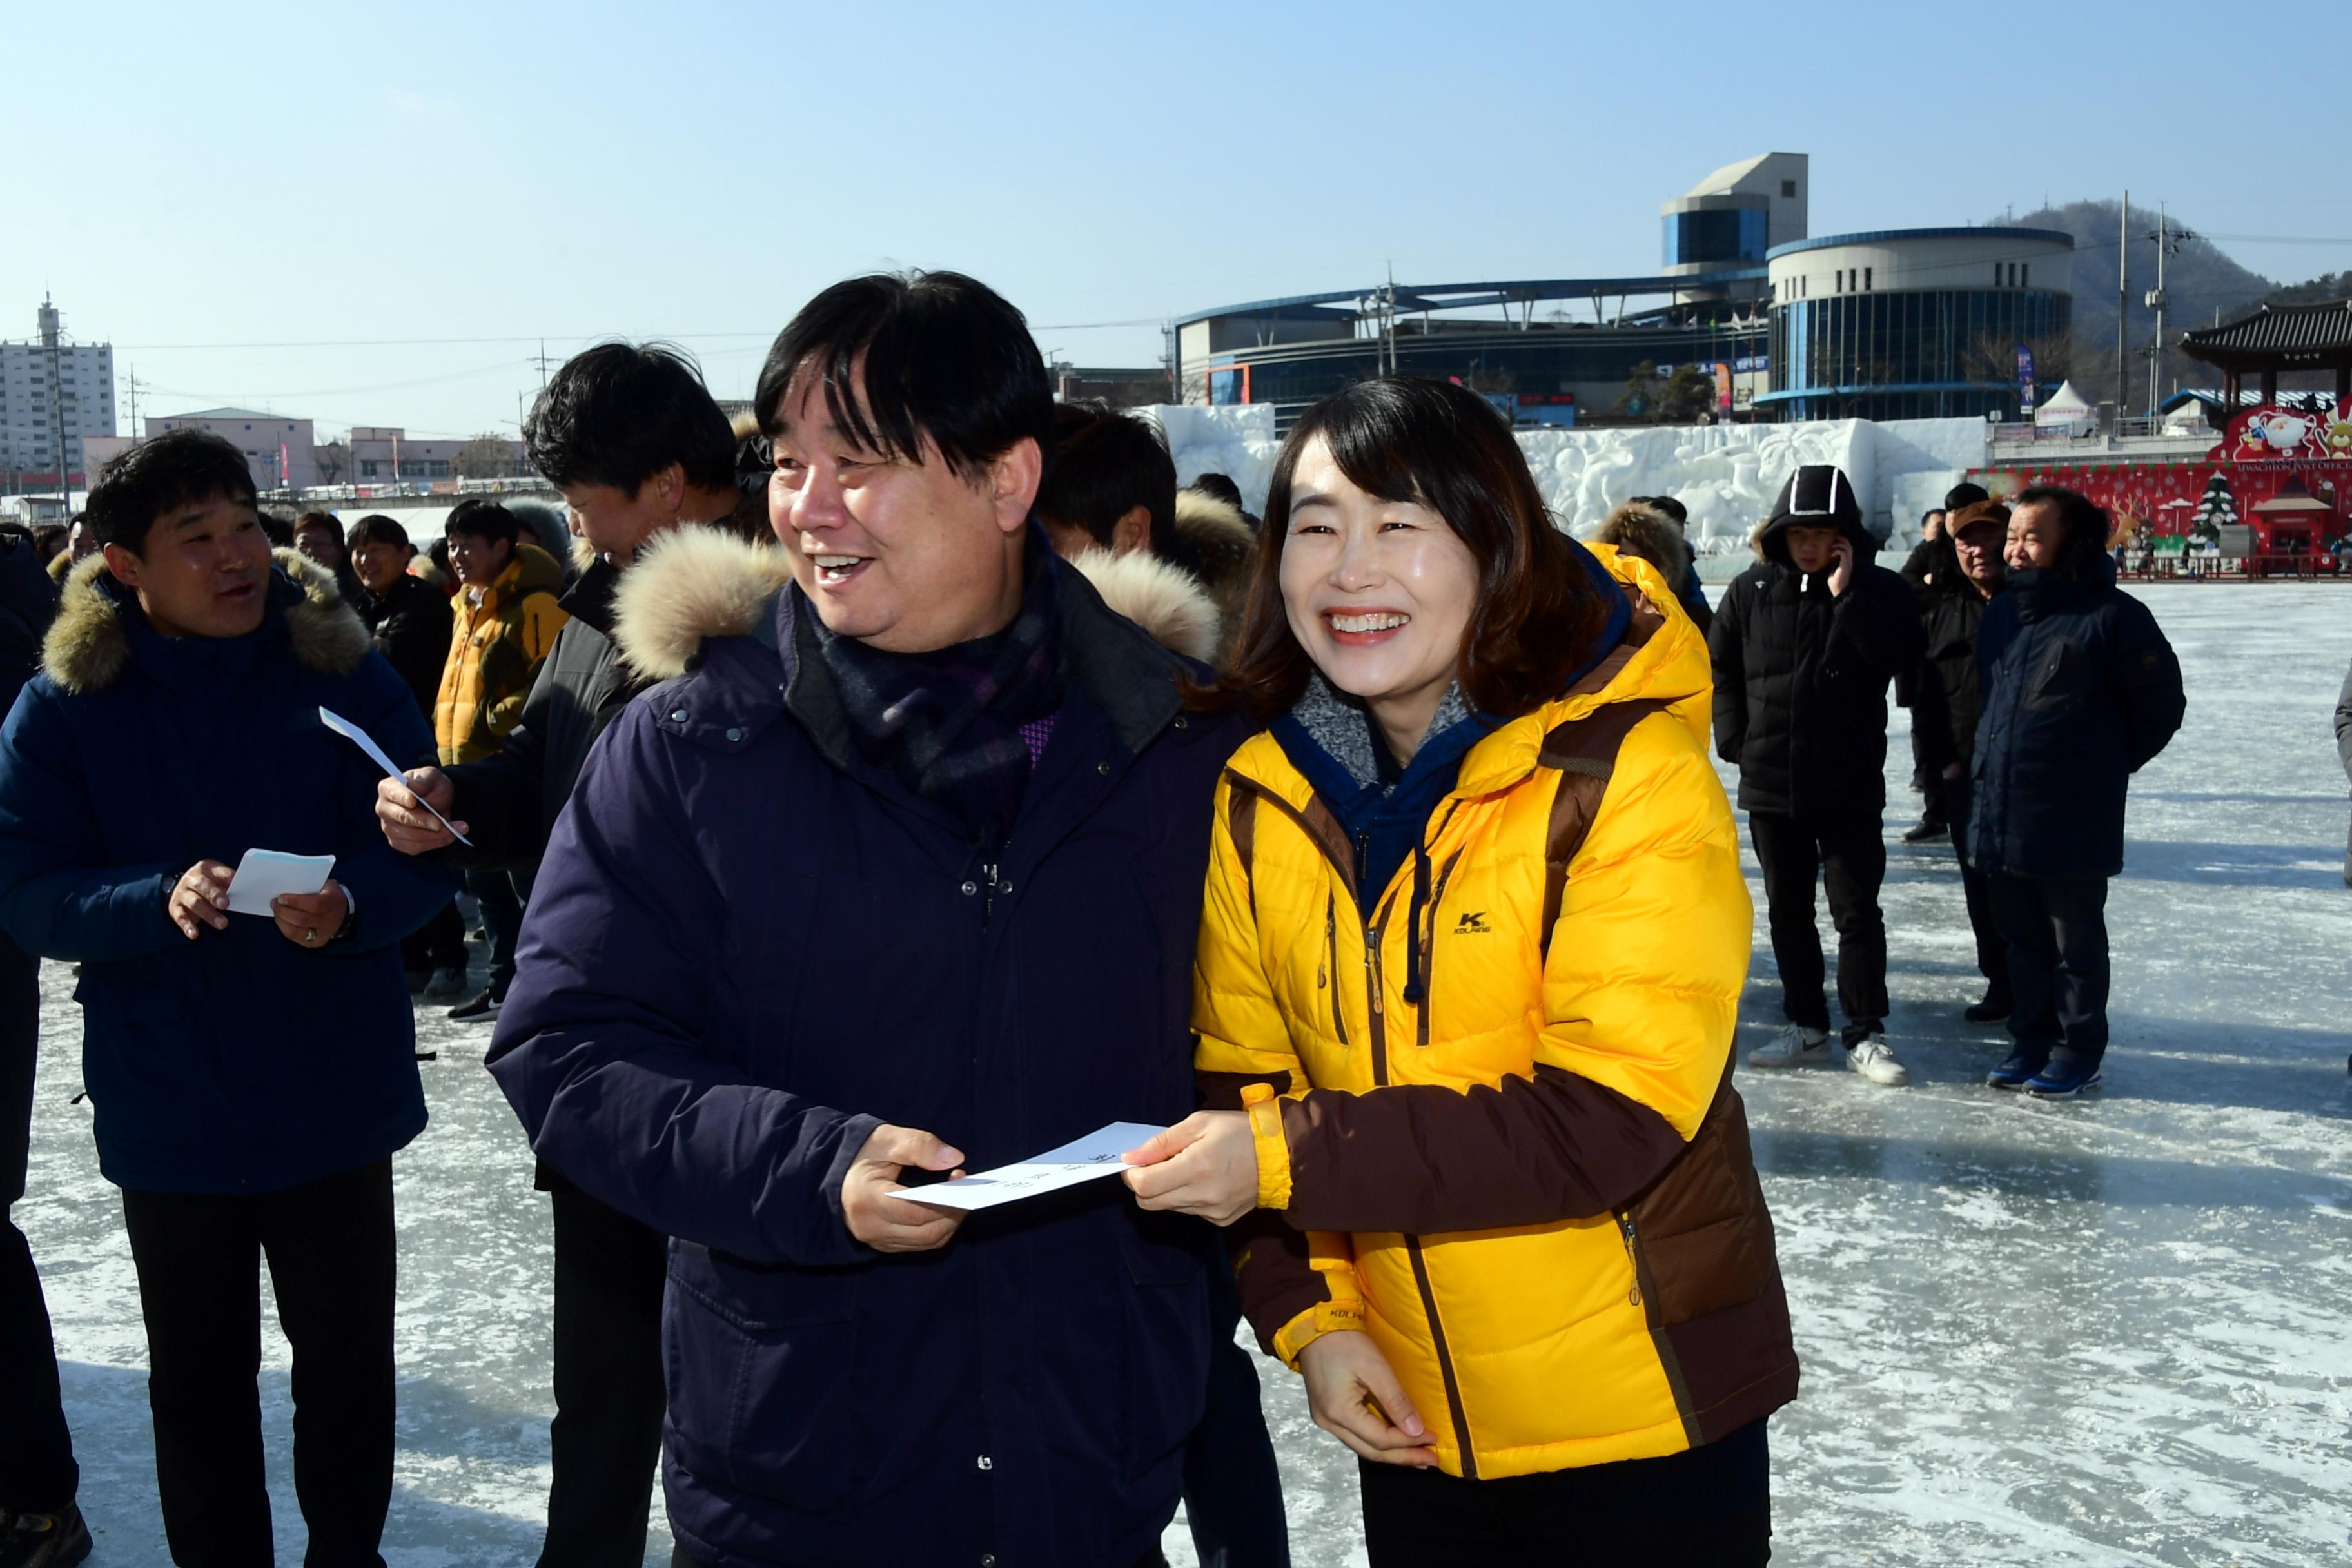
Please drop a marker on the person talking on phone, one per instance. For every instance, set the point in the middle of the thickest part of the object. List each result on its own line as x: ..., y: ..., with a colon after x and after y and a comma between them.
x: 1804, y: 643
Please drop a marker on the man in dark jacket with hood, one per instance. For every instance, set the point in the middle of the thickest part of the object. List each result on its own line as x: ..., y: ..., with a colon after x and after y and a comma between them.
x: 1963, y: 575
x: 634, y: 441
x: 2081, y: 690
x: 897, y: 875
x: 1803, y: 645
x: 252, y: 1070
x: 38, y: 1478
x: 2344, y: 754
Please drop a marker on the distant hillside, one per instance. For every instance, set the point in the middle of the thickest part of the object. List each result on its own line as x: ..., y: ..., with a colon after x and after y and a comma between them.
x: 2326, y: 285
x: 2202, y: 284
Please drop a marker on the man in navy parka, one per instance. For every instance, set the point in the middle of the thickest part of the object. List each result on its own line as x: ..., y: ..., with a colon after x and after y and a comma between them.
x: 251, y: 1074
x: 896, y: 873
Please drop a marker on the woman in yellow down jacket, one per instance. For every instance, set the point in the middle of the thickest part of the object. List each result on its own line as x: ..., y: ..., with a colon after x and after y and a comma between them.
x: 1469, y: 962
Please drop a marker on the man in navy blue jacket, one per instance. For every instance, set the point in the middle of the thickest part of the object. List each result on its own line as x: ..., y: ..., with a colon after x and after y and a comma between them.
x: 251, y: 1074
x: 2081, y: 690
x: 896, y: 873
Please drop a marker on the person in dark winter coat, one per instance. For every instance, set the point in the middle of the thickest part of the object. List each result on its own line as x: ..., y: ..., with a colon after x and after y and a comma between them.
x: 409, y: 620
x: 1932, y: 552
x: 1946, y: 705
x: 1804, y: 645
x: 2081, y: 690
x: 634, y: 441
x: 38, y: 1478
x: 251, y: 1075
x: 914, y: 738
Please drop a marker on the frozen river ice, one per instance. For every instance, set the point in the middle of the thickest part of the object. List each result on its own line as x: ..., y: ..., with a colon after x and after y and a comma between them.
x: 2111, y: 1332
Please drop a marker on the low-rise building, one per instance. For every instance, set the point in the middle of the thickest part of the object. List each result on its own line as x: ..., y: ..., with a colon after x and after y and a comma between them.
x: 276, y: 447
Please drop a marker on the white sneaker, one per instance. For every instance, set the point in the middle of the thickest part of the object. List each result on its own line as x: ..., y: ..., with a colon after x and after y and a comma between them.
x: 1873, y: 1059
x: 1794, y: 1047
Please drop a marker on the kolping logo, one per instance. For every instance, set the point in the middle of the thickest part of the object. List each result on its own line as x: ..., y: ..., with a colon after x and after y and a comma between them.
x: 1472, y: 921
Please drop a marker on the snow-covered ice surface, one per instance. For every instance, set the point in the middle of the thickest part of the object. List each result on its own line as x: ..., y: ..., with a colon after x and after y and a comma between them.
x: 2104, y: 1333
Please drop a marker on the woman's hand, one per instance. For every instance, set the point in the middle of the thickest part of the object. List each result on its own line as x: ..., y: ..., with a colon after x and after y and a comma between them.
x: 1355, y: 1397
x: 1205, y: 1164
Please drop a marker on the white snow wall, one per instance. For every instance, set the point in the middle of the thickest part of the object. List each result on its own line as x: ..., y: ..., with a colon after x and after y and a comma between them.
x: 1726, y: 475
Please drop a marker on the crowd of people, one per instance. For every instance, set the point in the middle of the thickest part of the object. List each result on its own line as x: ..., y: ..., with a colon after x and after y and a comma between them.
x: 914, y: 779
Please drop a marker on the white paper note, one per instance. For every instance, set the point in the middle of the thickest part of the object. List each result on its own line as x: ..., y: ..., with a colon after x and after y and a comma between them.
x: 1088, y: 1159
x: 366, y: 742
x: 263, y: 874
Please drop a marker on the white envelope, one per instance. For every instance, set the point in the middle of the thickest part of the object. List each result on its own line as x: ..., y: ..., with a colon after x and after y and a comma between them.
x: 264, y: 874
x: 1088, y: 1158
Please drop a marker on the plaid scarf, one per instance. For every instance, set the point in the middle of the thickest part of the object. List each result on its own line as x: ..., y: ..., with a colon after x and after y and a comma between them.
x: 950, y: 723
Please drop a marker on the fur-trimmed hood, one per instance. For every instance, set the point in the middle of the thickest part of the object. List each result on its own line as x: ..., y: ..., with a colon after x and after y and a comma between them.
x: 1163, y: 599
x: 1223, y: 547
x: 687, y: 586
x: 694, y: 583
x: 89, y: 644
x: 1646, y: 532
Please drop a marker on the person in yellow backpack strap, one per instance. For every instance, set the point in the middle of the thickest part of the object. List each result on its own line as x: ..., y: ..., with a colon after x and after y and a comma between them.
x: 1469, y: 966
x: 504, y: 618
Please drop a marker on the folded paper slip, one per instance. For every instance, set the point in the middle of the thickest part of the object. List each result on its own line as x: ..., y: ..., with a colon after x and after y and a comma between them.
x: 1088, y: 1158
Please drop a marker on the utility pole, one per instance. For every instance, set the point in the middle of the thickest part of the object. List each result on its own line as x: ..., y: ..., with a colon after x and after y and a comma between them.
x: 130, y: 385
x: 2123, y: 312
x: 2168, y: 242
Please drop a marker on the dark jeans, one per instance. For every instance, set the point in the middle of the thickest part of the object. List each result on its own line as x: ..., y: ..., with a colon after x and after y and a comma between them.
x: 332, y: 1256
x: 438, y: 943
x: 1992, y: 948
x: 37, y: 1474
x: 1233, y: 1489
x: 1710, y: 1505
x: 1155, y: 1558
x: 2056, y: 928
x: 606, y: 1436
x: 1849, y: 856
x: 502, y: 895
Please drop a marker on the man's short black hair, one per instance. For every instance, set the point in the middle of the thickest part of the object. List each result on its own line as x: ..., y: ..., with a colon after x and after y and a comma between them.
x: 1669, y: 506
x: 1103, y: 464
x: 1965, y: 494
x: 279, y: 528
x: 619, y: 413
x: 177, y: 468
x: 933, y: 355
x: 482, y: 520
x: 377, y: 529
x: 2082, y: 525
x: 1218, y: 485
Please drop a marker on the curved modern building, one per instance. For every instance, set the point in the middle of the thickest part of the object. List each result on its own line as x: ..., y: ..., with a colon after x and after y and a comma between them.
x: 1916, y: 323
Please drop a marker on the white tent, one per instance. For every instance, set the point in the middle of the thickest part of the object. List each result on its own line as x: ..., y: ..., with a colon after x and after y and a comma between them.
x: 2066, y: 409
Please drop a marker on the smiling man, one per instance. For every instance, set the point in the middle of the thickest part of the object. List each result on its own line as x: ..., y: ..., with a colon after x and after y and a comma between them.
x: 251, y: 1075
x: 897, y: 875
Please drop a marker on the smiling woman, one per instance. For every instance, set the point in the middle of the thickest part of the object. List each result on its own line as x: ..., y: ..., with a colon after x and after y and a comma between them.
x: 1489, y: 1182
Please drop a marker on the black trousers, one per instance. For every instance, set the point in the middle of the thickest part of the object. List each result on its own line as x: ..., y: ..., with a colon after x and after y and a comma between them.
x: 37, y: 1474
x: 502, y: 895
x: 2056, y: 928
x: 1848, y: 856
x: 1710, y: 1506
x: 1992, y: 948
x: 606, y: 1436
x: 438, y: 943
x: 36, y: 1451
x: 332, y: 1256
x: 1233, y: 1487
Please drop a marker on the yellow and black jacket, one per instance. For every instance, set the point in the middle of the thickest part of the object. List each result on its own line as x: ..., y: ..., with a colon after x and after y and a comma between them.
x: 1533, y: 1188
x: 496, y: 647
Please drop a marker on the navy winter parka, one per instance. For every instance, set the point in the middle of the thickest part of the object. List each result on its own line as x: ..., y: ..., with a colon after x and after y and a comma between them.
x: 746, y: 949
x: 239, y: 1062
x: 2081, y: 689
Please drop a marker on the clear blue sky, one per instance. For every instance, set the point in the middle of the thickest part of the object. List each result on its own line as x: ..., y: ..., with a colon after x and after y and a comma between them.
x: 315, y: 176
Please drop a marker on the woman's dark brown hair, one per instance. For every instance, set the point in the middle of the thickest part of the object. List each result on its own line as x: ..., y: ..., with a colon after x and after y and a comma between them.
x: 1444, y: 448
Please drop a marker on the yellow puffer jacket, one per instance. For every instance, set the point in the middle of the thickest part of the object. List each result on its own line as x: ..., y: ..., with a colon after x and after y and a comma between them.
x: 1533, y: 1188
x: 494, y: 650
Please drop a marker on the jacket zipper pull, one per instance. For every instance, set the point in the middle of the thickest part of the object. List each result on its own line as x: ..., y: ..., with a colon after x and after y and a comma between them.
x: 1330, y: 944
x: 1633, y: 1297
